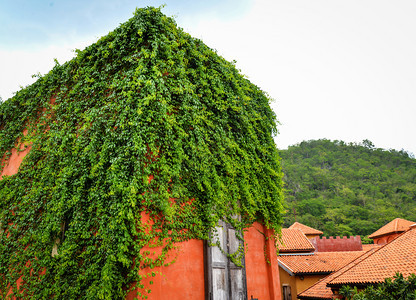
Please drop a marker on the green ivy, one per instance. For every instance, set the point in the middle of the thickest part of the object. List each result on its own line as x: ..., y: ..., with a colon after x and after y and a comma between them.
x: 148, y: 120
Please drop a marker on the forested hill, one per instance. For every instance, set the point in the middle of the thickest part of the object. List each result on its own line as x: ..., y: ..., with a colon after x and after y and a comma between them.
x: 348, y: 189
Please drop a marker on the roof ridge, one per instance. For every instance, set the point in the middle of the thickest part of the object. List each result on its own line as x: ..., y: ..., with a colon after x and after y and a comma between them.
x: 396, y: 224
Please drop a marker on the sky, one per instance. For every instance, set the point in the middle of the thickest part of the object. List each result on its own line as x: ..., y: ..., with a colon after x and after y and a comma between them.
x: 340, y: 70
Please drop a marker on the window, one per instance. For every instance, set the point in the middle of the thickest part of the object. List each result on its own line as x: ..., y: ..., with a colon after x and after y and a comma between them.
x: 287, y: 295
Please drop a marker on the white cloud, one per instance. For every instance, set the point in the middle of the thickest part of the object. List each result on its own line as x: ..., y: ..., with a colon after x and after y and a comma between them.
x: 18, y: 66
x: 337, y: 69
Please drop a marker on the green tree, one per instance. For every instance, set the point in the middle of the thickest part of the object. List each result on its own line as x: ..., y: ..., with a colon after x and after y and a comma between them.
x: 396, y: 288
x: 361, y: 187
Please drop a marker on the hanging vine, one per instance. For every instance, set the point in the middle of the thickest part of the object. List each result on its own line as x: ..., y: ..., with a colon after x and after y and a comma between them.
x: 146, y: 124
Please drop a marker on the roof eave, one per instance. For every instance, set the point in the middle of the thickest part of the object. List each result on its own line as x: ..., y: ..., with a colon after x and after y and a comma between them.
x: 286, y: 268
x: 385, y: 234
x: 357, y: 284
x: 314, y: 297
x: 297, y: 251
x: 313, y: 273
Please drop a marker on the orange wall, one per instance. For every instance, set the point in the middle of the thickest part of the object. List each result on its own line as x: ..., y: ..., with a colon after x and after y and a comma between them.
x: 311, y: 236
x: 298, y: 285
x: 307, y: 282
x: 262, y: 278
x: 385, y: 239
x: 286, y: 279
x: 11, y: 166
x: 184, y: 279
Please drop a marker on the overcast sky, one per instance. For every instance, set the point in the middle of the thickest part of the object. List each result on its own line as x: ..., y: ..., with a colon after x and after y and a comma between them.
x: 341, y: 70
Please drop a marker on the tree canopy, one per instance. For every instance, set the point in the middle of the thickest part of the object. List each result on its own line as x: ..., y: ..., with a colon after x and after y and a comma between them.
x: 348, y: 189
x: 396, y: 288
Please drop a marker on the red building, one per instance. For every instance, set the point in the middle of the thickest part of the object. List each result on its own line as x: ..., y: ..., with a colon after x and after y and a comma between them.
x: 308, y: 231
x: 371, y: 268
x: 258, y: 280
x: 304, y: 261
x: 389, y: 231
x: 120, y: 168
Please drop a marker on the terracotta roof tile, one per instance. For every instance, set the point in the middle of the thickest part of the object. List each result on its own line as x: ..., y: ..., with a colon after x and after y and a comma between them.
x: 397, y: 256
x: 317, y: 263
x: 367, y: 247
x: 397, y: 225
x: 305, y: 229
x: 293, y: 240
x: 320, y: 290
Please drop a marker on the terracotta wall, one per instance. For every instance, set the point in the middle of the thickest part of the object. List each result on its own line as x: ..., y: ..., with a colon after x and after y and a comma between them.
x: 298, y: 283
x: 286, y: 279
x: 306, y: 282
x: 332, y: 244
x: 311, y: 236
x: 185, y: 279
x: 263, y: 281
x: 12, y: 164
x: 10, y: 167
x: 386, y: 238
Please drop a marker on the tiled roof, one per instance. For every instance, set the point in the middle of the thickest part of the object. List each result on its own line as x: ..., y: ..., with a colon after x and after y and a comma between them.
x: 397, y: 225
x: 367, y: 247
x: 305, y: 229
x: 293, y: 240
x: 317, y: 263
x: 397, y: 256
x: 320, y: 291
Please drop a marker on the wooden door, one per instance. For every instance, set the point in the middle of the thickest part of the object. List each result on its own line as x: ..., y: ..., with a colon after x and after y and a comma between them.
x: 225, y: 280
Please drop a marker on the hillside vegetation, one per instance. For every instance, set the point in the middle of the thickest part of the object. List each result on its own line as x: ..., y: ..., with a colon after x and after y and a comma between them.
x: 348, y: 189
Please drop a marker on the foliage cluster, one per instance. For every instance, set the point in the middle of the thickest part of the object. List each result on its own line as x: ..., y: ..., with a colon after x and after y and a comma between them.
x: 398, y: 288
x: 147, y: 121
x: 348, y: 189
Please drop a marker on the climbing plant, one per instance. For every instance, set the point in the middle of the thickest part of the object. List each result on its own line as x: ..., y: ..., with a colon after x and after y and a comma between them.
x: 146, y: 138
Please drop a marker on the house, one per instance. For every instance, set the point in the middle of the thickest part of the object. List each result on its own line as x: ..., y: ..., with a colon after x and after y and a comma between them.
x: 331, y: 244
x: 132, y: 171
x: 389, y: 231
x: 302, y: 271
x: 320, y: 290
x: 301, y: 265
x: 308, y: 231
x: 399, y: 255
x: 294, y: 241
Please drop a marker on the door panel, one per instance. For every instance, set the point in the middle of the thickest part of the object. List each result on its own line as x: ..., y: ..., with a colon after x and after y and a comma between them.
x: 237, y: 284
x: 220, y: 283
x: 225, y: 280
x: 219, y: 256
